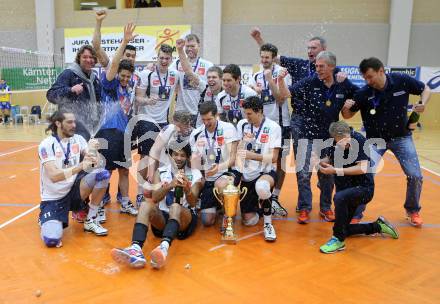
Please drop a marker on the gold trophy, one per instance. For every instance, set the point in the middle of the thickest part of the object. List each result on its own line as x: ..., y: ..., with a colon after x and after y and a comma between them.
x: 231, y: 196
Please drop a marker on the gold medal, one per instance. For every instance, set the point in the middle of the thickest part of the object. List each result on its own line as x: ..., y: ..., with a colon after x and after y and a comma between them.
x: 164, y: 96
x: 266, y: 98
x: 211, y: 156
x: 373, y: 111
x: 328, y: 103
x: 234, y: 120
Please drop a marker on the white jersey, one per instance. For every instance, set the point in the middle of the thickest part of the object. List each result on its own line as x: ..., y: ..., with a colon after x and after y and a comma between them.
x: 188, y: 96
x: 162, y: 86
x: 167, y: 135
x: 166, y: 176
x: 51, y: 150
x: 273, y: 110
x: 232, y: 106
x: 259, y: 140
x: 213, y: 146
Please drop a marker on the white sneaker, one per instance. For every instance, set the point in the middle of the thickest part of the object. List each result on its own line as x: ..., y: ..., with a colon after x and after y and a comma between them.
x: 95, y: 227
x: 269, y: 233
x: 101, y: 217
x: 129, y: 209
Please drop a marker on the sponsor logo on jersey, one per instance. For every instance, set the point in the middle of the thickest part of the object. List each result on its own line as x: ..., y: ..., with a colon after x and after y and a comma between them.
x: 264, y: 138
x: 75, y: 148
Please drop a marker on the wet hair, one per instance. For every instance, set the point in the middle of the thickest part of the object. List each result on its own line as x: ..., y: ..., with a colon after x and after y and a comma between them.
x: 176, y: 147
x: 84, y: 48
x: 321, y: 40
x: 208, y: 107
x: 370, y: 63
x: 182, y: 117
x: 216, y: 69
x: 232, y: 69
x: 329, y: 57
x: 126, y: 65
x: 269, y: 47
x: 58, y: 115
x: 166, y: 48
x: 339, y: 128
x: 254, y: 103
x: 194, y: 37
x: 130, y: 48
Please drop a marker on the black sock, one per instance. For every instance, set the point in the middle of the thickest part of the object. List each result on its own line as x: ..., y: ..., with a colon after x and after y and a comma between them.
x: 139, y: 234
x: 170, y: 230
x: 267, y: 207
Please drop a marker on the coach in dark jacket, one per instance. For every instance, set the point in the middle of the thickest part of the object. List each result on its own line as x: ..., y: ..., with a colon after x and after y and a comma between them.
x: 78, y: 90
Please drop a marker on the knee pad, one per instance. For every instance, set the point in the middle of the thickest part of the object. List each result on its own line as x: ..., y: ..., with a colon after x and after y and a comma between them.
x: 97, y: 179
x: 252, y: 221
x: 51, y: 233
x: 262, y: 187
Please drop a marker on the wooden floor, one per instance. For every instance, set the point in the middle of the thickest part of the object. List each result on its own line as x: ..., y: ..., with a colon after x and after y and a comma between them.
x: 291, y: 270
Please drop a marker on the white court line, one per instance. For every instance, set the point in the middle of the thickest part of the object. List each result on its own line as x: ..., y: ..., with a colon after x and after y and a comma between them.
x: 19, y: 150
x: 34, y: 169
x: 12, y: 176
x: 19, y: 216
x: 238, y: 240
x: 424, y: 168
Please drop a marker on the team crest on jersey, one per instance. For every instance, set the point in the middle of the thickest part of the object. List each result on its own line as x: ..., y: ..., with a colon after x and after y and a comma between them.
x: 189, y: 177
x: 241, y: 102
x: 75, y: 149
x: 219, y: 132
x: 226, y: 107
x: 43, y: 153
x: 266, y: 130
x: 172, y: 80
x: 209, y: 93
x: 201, y: 71
x: 264, y: 138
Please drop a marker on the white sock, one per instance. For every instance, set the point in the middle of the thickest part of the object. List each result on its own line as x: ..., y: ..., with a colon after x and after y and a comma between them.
x: 124, y: 201
x: 93, y: 211
x: 267, y: 219
x: 276, y: 192
x: 136, y: 246
x: 140, y: 189
x: 164, y: 247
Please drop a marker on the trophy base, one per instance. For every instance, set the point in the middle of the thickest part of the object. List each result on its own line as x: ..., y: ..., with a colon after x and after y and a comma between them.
x: 230, y: 240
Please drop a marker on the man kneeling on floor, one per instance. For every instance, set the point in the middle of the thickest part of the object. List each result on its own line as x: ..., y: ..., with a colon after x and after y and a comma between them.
x: 171, y: 211
x: 67, y: 179
x: 354, y: 186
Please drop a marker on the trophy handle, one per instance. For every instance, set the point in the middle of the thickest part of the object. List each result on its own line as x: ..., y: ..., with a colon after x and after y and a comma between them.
x: 217, y: 195
x: 243, y: 193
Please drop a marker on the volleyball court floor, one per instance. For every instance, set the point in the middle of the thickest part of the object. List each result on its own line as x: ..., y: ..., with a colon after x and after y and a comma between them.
x: 202, y: 269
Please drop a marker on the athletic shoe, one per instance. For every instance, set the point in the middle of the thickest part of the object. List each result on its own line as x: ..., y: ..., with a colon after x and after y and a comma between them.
x: 119, y: 197
x: 131, y: 256
x: 269, y: 232
x: 80, y: 216
x: 92, y: 225
x: 387, y: 228
x: 106, y: 199
x: 355, y: 221
x: 332, y: 246
x: 101, y: 217
x: 158, y: 258
x: 414, y: 219
x: 277, y: 209
x: 129, y: 209
x: 139, y: 199
x: 327, y: 215
x: 303, y: 217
